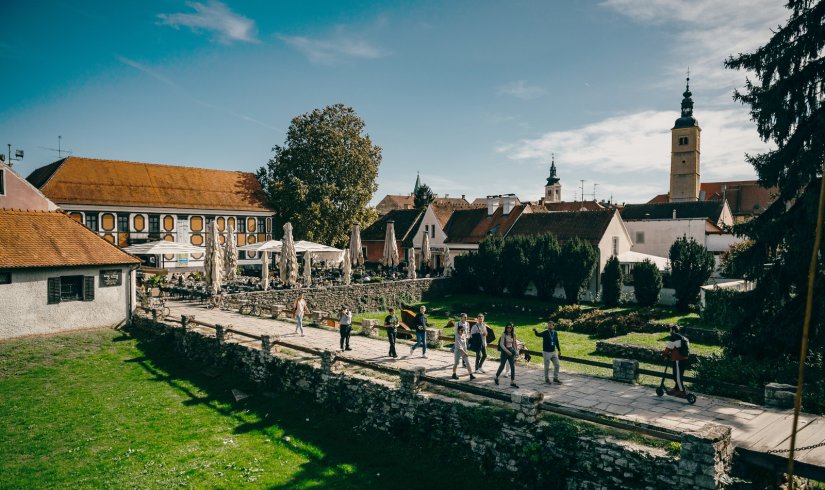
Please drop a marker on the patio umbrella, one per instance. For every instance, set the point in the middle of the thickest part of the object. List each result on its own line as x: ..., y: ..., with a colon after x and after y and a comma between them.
x: 163, y: 247
x: 289, y: 262
x: 230, y: 256
x: 267, y: 246
x: 390, y: 246
x: 213, y: 261
x: 426, y: 253
x: 265, y: 270
x: 357, y: 255
x: 411, y: 266
x: 347, y: 267
x: 448, y: 261
x: 307, y: 269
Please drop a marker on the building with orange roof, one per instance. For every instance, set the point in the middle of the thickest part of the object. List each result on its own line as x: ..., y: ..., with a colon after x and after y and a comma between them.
x: 131, y: 202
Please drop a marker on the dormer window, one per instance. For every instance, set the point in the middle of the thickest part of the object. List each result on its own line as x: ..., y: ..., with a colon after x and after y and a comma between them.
x: 683, y: 140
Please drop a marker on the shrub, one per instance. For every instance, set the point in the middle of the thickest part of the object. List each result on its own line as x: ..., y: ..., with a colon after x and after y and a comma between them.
x: 576, y: 267
x: 691, y: 265
x: 515, y: 264
x: 647, y: 283
x: 488, y: 266
x: 545, y: 270
x: 612, y: 282
x: 722, y: 307
x: 465, y: 275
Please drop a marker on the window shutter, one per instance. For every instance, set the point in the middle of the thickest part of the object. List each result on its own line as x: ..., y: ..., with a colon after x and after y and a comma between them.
x: 89, y: 288
x: 53, y: 295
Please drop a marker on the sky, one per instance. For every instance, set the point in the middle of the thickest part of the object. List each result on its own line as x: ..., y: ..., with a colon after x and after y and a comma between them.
x: 476, y: 95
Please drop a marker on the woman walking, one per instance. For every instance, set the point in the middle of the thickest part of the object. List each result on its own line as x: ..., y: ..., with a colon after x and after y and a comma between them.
x: 479, y: 341
x: 461, y: 350
x: 299, y: 309
x: 507, y: 346
x: 345, y: 327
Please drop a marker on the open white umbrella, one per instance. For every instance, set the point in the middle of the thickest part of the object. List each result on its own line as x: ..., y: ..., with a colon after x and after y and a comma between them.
x: 357, y: 255
x: 347, y: 272
x: 411, y: 266
x: 213, y: 261
x: 426, y: 253
x: 390, y: 246
x: 163, y: 247
x: 230, y: 256
x: 265, y: 270
x: 307, y: 269
x: 289, y: 261
x: 267, y: 246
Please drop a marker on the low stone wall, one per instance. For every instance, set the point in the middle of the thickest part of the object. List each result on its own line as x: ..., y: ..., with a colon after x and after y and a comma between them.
x: 641, y: 354
x: 535, y: 449
x: 706, y: 336
x: 358, y: 297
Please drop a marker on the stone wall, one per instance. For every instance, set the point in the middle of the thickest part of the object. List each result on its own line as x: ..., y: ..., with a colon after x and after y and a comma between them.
x: 537, y: 450
x: 641, y: 354
x: 359, y: 297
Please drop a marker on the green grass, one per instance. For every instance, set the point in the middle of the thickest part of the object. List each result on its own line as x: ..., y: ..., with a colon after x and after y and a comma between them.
x: 658, y: 341
x: 100, y: 409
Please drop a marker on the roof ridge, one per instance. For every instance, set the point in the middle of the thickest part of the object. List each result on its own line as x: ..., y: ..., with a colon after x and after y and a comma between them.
x: 155, y: 164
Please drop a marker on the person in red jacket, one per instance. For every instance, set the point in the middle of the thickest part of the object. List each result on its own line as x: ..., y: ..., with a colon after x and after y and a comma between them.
x: 677, y: 351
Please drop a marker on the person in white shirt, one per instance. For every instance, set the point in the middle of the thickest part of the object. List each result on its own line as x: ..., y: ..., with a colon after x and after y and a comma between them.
x: 461, y: 350
x: 299, y: 310
x: 478, y: 334
x: 345, y: 327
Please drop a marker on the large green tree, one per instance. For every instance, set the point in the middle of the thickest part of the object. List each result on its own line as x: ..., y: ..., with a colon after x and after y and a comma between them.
x: 786, y: 102
x: 545, y: 258
x: 647, y: 283
x: 576, y: 264
x: 516, y: 264
x: 423, y: 196
x: 488, y: 268
x: 612, y: 278
x: 323, y: 177
x: 690, y: 266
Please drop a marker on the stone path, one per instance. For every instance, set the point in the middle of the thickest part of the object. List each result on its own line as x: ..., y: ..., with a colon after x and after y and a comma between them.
x: 754, y: 427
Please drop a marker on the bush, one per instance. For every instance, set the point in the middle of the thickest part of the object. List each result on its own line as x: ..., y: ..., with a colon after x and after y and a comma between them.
x: 647, y: 283
x: 690, y: 266
x: 723, y: 307
x: 612, y: 282
x: 576, y: 267
x: 464, y: 273
x: 545, y: 261
x: 488, y: 266
x: 515, y: 264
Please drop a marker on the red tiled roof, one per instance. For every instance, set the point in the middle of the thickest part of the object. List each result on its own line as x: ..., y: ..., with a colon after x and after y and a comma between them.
x: 52, y: 239
x: 745, y: 197
x: 444, y: 210
x: 472, y: 225
x: 76, y: 180
x: 566, y: 206
x: 587, y: 225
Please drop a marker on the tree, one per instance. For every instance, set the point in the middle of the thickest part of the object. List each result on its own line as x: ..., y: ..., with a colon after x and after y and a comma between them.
x: 323, y: 177
x: 576, y: 267
x: 647, y: 283
x: 733, y: 264
x: 545, y: 258
x: 690, y: 266
x: 612, y: 282
x: 516, y: 264
x: 786, y: 102
x: 488, y: 265
x: 423, y: 196
x: 465, y: 274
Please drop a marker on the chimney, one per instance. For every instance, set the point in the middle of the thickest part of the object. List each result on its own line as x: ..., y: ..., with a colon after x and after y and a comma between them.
x: 446, y: 196
x: 492, y: 204
x: 464, y: 197
x: 508, y: 202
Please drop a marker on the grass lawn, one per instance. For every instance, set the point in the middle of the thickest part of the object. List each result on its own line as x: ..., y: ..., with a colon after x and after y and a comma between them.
x: 99, y: 409
x: 658, y: 340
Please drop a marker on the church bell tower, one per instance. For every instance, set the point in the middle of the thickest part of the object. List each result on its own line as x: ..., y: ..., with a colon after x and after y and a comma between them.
x: 552, y: 191
x: 684, y: 154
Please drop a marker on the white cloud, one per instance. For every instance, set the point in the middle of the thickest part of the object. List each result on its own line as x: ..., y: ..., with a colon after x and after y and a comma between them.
x: 214, y: 17
x: 521, y: 90
x: 334, y: 50
x: 640, y: 143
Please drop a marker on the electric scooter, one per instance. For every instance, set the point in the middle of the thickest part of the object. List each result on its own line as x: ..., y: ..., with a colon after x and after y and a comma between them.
x: 661, y: 390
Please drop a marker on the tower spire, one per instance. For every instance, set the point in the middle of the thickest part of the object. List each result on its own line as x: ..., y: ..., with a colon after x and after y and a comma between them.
x: 687, y: 120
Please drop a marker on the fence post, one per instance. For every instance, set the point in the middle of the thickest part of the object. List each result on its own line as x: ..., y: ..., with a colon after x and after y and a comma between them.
x: 328, y: 361
x: 411, y: 380
x: 705, y: 458
x: 220, y: 333
x: 266, y: 346
x: 527, y: 404
x: 626, y: 370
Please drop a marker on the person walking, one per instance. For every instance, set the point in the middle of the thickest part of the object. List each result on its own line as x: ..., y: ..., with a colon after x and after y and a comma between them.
x: 345, y: 328
x: 391, y: 323
x: 678, y: 350
x: 460, y: 351
x: 420, y: 324
x: 550, y: 351
x: 507, y: 346
x: 462, y: 322
x: 478, y: 334
x: 299, y: 309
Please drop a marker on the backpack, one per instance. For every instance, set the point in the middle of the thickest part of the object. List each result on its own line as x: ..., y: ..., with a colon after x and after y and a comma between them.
x: 684, y: 348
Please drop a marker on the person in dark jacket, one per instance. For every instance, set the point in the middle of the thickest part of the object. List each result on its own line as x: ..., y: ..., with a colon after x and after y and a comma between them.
x: 391, y: 323
x: 345, y: 327
x: 508, y: 345
x: 677, y: 350
x: 550, y: 351
x: 420, y: 325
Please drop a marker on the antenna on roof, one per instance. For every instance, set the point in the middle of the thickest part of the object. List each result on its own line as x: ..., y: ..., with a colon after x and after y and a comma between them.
x: 18, y: 155
x: 60, y: 151
x: 582, y: 181
x: 595, y: 184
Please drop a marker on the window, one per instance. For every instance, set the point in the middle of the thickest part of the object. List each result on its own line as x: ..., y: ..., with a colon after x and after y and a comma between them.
x: 615, y: 245
x: 683, y: 140
x: 91, y: 221
x: 123, y: 222
x: 70, y: 288
x: 241, y: 225
x: 261, y: 225
x: 5, y: 277
x: 154, y: 223
x: 640, y: 237
x: 432, y: 231
x: 2, y: 182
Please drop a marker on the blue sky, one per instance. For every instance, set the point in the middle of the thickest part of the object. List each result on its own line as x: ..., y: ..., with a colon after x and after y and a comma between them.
x: 476, y: 95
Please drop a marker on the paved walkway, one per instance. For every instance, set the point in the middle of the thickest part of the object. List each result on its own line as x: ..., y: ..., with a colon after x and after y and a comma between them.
x: 754, y: 427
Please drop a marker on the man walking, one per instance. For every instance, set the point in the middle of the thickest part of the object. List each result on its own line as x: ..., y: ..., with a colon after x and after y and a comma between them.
x: 345, y: 328
x: 420, y: 324
x: 550, y: 351
x: 391, y: 323
x: 478, y: 333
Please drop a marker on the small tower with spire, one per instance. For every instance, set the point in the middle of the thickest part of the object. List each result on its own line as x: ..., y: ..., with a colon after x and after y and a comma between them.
x: 684, y: 155
x: 552, y: 190
x: 417, y: 183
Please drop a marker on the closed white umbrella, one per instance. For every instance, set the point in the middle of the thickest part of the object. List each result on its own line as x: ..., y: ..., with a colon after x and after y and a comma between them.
x: 230, y: 256
x: 214, y: 260
x: 347, y: 272
x: 265, y: 270
x: 390, y: 246
x: 448, y: 262
x: 426, y: 253
x: 307, y: 269
x: 411, y: 266
x: 357, y: 255
x: 289, y: 261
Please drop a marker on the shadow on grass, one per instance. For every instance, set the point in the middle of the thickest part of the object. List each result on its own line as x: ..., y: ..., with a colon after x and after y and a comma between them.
x: 337, y: 456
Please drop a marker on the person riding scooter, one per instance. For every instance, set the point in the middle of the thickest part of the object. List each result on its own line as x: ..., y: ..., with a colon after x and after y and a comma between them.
x: 678, y: 351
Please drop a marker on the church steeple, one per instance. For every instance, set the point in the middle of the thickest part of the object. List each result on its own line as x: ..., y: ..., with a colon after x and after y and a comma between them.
x: 552, y: 191
x: 417, y: 183
x: 684, y: 153
x: 687, y: 120
x: 553, y: 179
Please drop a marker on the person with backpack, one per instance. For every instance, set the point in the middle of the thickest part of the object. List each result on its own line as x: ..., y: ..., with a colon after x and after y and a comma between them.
x: 678, y: 351
x: 478, y: 339
x: 507, y: 346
